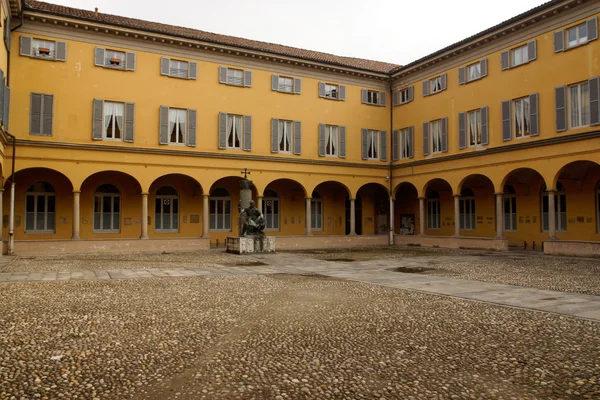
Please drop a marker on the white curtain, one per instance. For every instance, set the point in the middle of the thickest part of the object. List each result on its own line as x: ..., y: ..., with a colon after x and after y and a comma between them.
x: 585, y: 104
x: 109, y: 110
x: 181, y: 116
x: 288, y: 134
x: 238, y: 130
x: 172, y: 122
x: 118, y: 112
x: 280, y: 135
x: 230, y: 133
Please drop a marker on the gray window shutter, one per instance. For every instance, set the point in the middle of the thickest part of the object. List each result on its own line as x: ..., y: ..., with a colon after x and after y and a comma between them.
x: 364, y: 96
x: 505, y: 60
x: 444, y: 134
x: 130, y: 61
x: 411, y: 141
x: 321, y: 89
x: 297, y: 137
x: 396, y: 98
x: 297, y: 85
x: 6, y: 107
x: 592, y: 29
x: 483, y: 67
x: 534, y: 115
x: 222, y: 130
x: 425, y: 88
x: 594, y: 85
x: 247, y: 132
x: 129, y: 122
x: 47, y: 114
x: 275, y: 82
x: 462, y: 130
x: 364, y: 142
x: 222, y: 74
x: 321, y: 140
x: 165, y: 66
x: 191, y: 128
x: 395, y: 145
x: 7, y: 33
x: 193, y: 70
x: 98, y: 119
x: 383, y: 145
x: 411, y: 90
x: 25, y: 48
x: 559, y: 41
x: 274, y: 135
x: 2, y: 96
x: 532, y: 50
x: 484, y: 126
x: 35, y: 116
x: 61, y: 51
x: 382, y: 99
x: 248, y: 78
x: 506, y: 122
x: 560, y: 98
x: 342, y: 153
x: 342, y: 92
x: 425, y: 138
x: 444, y: 78
x: 164, y: 125
x: 462, y: 75
x: 99, y: 56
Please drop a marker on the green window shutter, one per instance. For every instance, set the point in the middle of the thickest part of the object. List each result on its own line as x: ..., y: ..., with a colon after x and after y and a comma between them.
x: 98, y: 119
x: 396, y: 98
x: 462, y: 130
x: 25, y: 48
x: 534, y: 115
x: 247, y: 133
x: 297, y: 137
x: 425, y: 138
x: 484, y: 126
x: 342, y: 153
x: 444, y: 78
x: 47, y: 114
x: 61, y: 51
x: 2, y: 96
x: 411, y: 90
x: 411, y: 140
x: 7, y: 33
x: 364, y: 143
x: 129, y: 122
x: 165, y: 66
x: 35, y: 116
x: 506, y: 122
x: 383, y: 145
x: 163, y: 136
x: 99, y: 56
x: 130, y: 61
x: 297, y: 86
x: 322, y: 140
x: 193, y: 70
x: 274, y: 135
x: 592, y: 29
x: 191, y: 133
x: 222, y: 130
x: 483, y: 67
x: 560, y: 98
x: 531, y: 50
x: 275, y: 82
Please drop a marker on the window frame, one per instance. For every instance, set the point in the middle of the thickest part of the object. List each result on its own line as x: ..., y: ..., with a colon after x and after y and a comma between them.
x: 112, y: 196
x: 318, y: 217
x: 373, y: 97
x: 180, y: 62
x: 373, y: 144
x: 468, y: 71
x: 275, y: 216
x: 476, y: 112
x: 35, y: 196
x: 404, y: 94
x: 34, y: 49
x: 176, y: 125
x: 404, y: 143
x: 282, y: 87
x: 509, y: 200
x: 283, y: 125
x: 525, y: 117
x: 434, y: 214
x: 234, y: 126
x: 169, y: 197
x: 523, y: 49
x: 329, y: 130
x: 468, y: 220
x: 558, y: 194
x: 578, y: 40
x: 232, y: 80
x: 438, y: 124
x: 330, y: 88
x: 122, y: 63
x: 581, y: 105
x: 104, y: 127
x: 433, y: 85
x: 216, y: 200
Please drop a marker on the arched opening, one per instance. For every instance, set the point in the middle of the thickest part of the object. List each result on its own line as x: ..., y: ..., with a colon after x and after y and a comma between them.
x: 406, y: 209
x: 560, y: 208
x: 166, y: 210
x: 375, y: 209
x: 328, y: 209
x: 271, y: 210
x: 284, y: 207
x: 439, y: 211
x: 220, y: 210
x: 40, y: 208
x: 107, y: 209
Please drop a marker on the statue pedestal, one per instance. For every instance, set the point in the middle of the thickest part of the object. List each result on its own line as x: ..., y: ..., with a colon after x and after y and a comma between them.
x: 247, y: 245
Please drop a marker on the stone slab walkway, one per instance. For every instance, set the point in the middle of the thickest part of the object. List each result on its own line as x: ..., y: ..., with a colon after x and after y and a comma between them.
x: 375, y: 272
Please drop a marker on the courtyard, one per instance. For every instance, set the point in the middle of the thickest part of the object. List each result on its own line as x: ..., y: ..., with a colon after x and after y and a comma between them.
x: 389, y: 323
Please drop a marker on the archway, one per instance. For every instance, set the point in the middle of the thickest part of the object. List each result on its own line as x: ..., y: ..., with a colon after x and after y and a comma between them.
x: 375, y: 204
x: 477, y: 207
x: 439, y: 208
x: 406, y: 209
x: 283, y: 206
x: 328, y: 206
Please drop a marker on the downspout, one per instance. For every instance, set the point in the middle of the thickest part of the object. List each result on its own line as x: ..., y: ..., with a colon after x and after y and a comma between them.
x: 391, y: 235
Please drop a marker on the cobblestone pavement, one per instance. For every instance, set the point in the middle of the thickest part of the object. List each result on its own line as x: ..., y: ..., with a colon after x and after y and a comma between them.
x: 282, y: 336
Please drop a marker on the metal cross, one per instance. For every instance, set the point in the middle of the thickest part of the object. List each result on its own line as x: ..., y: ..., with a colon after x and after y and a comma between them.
x: 245, y: 172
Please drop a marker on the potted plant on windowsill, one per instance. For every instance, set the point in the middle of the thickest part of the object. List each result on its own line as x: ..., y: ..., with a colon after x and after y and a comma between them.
x: 44, y: 51
x: 115, y: 61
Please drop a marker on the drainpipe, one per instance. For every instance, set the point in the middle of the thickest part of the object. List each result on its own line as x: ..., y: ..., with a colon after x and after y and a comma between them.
x: 11, y: 218
x: 391, y: 236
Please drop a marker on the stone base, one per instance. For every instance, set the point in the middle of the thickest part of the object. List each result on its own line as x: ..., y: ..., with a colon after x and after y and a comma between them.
x: 454, y: 242
x: 246, y: 245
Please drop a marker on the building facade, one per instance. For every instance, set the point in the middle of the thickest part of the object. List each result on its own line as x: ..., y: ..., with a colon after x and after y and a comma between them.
x: 130, y: 135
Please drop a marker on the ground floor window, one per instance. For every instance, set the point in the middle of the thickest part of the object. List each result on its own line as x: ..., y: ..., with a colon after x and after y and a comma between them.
x: 107, y: 209
x: 40, y: 208
x: 560, y: 209
x: 316, y: 212
x: 166, y: 210
x: 220, y: 210
x: 510, y: 209
x: 433, y: 210
x: 271, y: 210
x: 467, y: 210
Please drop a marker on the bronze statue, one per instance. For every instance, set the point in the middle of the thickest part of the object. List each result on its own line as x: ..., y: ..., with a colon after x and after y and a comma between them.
x: 252, y: 220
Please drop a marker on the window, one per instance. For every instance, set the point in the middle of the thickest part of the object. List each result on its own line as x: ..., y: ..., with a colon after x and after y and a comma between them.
x: 577, y: 35
x: 235, y: 77
x: 166, y: 210
x: 285, y: 136
x: 474, y: 71
x: 521, y: 122
x: 44, y: 48
x: 433, y: 210
x: 220, y: 210
x: 234, y: 131
x: 107, y: 209
x: 114, y: 59
x: 520, y: 56
x: 510, y: 209
x: 41, y: 114
x: 113, y: 120
x: 405, y: 143
x: 436, y: 136
x: 331, y: 91
x: 331, y: 140
x: 271, y: 202
x: 316, y: 212
x: 579, y: 105
x: 178, y: 68
x: 435, y: 85
x: 560, y: 209
x: 372, y: 97
x: 285, y: 84
x: 467, y: 209
x: 177, y: 121
x: 40, y: 208
x: 175, y: 68
x: 405, y: 96
x: 474, y: 127
x: 372, y: 145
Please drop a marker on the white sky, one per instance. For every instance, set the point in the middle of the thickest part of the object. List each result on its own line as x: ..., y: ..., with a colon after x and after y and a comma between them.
x: 396, y: 31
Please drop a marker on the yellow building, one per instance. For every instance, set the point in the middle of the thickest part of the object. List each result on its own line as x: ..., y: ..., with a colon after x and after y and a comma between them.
x: 131, y: 135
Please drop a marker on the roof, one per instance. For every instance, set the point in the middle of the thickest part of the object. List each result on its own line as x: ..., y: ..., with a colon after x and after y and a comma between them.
x: 188, y: 33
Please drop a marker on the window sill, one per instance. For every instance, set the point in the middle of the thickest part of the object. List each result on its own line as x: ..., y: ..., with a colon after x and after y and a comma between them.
x: 115, y: 67
x: 112, y: 140
x: 111, y: 232
x: 176, y: 144
x: 47, y: 58
x: 332, y: 155
x: 474, y: 79
x: 178, y: 77
x: 40, y: 232
x: 519, y: 65
x: 567, y: 48
x: 330, y: 98
x: 166, y: 231
x: 232, y: 84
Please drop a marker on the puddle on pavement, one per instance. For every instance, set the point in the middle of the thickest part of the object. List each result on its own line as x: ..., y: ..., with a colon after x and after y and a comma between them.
x: 412, y: 270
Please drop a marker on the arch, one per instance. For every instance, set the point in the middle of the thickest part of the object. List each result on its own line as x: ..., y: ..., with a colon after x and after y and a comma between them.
x: 166, y: 191
x: 233, y: 183
x: 576, y: 170
x: 509, y: 190
x: 41, y: 187
x: 379, y: 185
x: 521, y: 177
x: 280, y: 181
x: 474, y: 180
x: 436, y: 184
x: 107, y: 188
x: 40, y: 174
x: 173, y: 180
x: 108, y: 175
x: 404, y: 185
x: 220, y: 192
x: 348, y: 191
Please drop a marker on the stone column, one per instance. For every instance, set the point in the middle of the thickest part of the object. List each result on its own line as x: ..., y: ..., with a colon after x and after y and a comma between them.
x: 499, y: 214
x: 352, y: 217
x: 76, y: 218
x: 259, y: 203
x: 205, y: 216
x: 421, y: 216
x: 308, y: 218
x: 144, y: 220
x: 245, y: 198
x: 551, y: 215
x: 457, y: 215
x: 391, y: 221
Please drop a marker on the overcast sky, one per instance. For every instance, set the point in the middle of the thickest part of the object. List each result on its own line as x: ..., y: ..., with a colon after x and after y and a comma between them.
x: 397, y: 31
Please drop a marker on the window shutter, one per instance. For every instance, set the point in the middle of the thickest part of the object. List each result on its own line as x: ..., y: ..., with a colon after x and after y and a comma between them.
x: 534, y: 115
x: 559, y: 41
x: 506, y: 123
x: 383, y: 145
x: 425, y: 138
x: 444, y: 78
x: 99, y: 56
x: 130, y: 61
x: 297, y: 85
x: 364, y: 96
x: 483, y: 67
x: 411, y: 140
x: 164, y: 125
x: 484, y: 126
x: 342, y: 92
x: 425, y: 88
x: 505, y: 60
x: 560, y: 98
x: 531, y: 50
x: 342, y: 153
x: 275, y: 82
x: 321, y: 140
x: 444, y: 134
x: 61, y: 51
x: 191, y: 128
x: 6, y: 107
x: 165, y: 64
x: 462, y: 130
x: 35, y: 116
x: 7, y: 33
x: 395, y: 145
x: 462, y: 75
x: 364, y: 142
x: 592, y: 29
x: 193, y: 70
x: 248, y: 78
x: 382, y: 99
x: 395, y: 98
x: 129, y: 122
x: 594, y: 85
x: 274, y: 135
x: 411, y: 90
x: 321, y: 89
x: 247, y: 132
x: 25, y: 45
x: 98, y: 119
x: 222, y: 74
x: 47, y: 114
x: 222, y: 130
x: 2, y: 96
x: 297, y: 137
